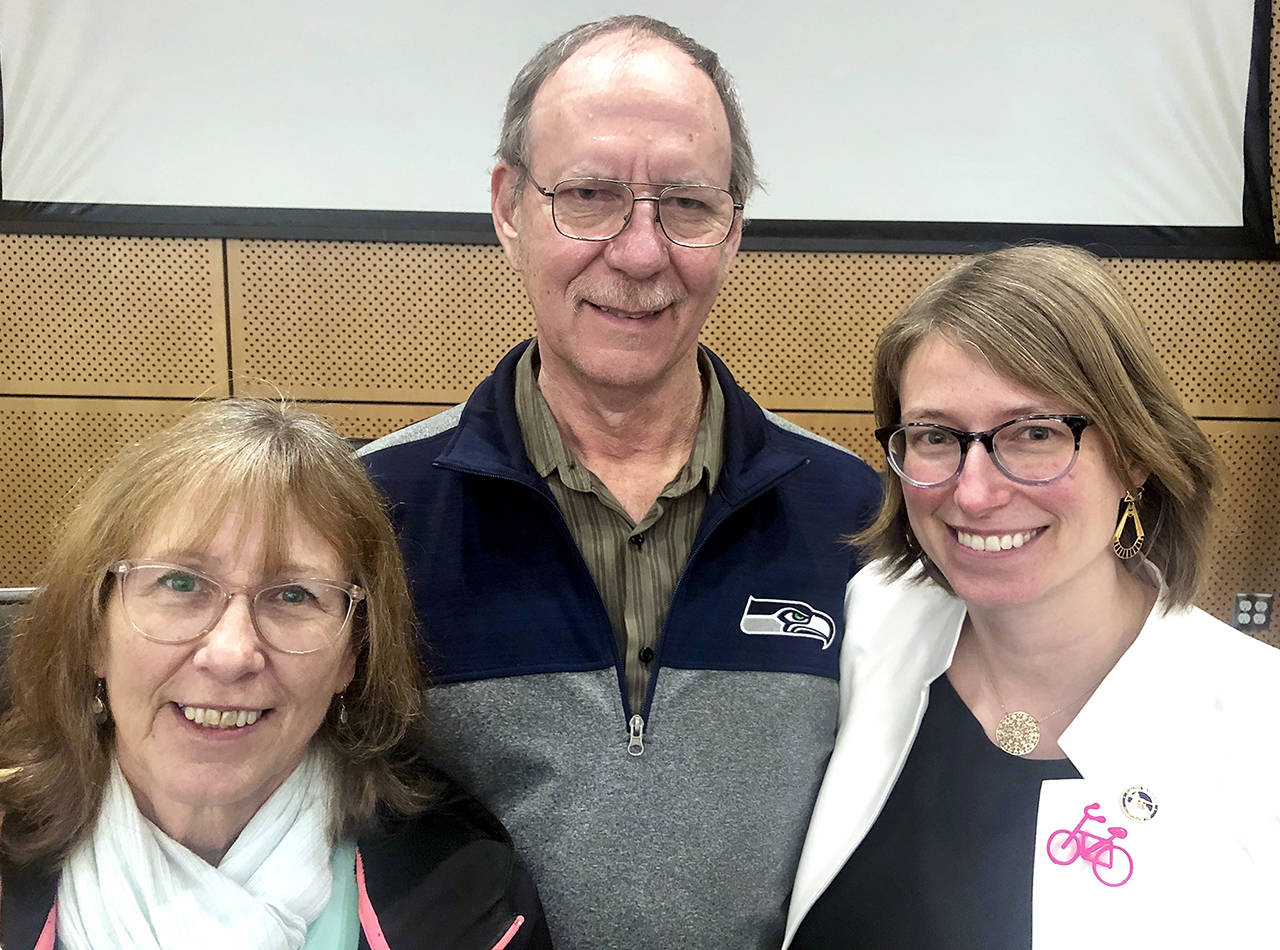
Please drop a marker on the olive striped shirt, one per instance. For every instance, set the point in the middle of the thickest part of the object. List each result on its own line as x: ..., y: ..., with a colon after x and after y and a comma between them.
x: 635, y: 565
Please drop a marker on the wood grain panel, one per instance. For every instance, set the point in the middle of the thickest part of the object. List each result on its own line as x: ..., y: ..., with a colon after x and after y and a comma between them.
x: 49, y: 451
x: 99, y: 316
x: 403, y: 323
x: 342, y: 321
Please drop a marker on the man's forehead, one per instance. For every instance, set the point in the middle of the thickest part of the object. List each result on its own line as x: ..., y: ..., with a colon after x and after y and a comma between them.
x: 625, y: 76
x: 625, y: 65
x: 601, y: 58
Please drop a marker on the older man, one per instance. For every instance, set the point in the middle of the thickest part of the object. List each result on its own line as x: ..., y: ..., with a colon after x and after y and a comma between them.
x: 630, y: 577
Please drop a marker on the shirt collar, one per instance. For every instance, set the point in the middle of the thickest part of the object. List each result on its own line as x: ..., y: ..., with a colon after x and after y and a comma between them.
x: 548, y: 452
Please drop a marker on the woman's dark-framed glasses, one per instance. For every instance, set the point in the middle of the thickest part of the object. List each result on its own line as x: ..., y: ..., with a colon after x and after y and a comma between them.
x: 1030, y: 450
x: 172, y: 603
x: 597, y: 209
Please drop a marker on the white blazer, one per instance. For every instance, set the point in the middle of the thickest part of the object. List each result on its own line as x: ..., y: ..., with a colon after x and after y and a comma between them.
x: 1191, y: 713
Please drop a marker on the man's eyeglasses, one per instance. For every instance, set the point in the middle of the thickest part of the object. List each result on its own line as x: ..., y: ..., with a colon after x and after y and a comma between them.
x: 169, y: 603
x: 597, y: 209
x: 1030, y: 450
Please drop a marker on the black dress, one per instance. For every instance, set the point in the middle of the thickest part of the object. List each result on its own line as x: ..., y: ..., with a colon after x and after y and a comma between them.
x: 947, y: 863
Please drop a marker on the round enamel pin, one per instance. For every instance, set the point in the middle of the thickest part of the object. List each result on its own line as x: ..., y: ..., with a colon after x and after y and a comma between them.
x: 1137, y: 803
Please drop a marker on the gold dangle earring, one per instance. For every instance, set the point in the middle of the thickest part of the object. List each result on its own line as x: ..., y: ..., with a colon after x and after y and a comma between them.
x: 1126, y: 551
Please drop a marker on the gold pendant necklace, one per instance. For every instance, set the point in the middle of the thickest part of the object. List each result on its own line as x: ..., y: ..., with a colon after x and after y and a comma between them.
x: 1018, y: 732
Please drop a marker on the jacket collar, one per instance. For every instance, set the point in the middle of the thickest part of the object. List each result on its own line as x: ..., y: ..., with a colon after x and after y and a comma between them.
x: 1145, y: 689
x: 488, y: 441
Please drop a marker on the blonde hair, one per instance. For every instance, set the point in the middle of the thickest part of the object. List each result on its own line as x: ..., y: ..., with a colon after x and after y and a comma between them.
x: 1052, y: 319
x: 274, y: 462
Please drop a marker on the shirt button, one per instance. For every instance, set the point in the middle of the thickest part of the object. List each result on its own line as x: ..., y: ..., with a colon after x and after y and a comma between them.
x: 646, y: 654
x: 637, y: 539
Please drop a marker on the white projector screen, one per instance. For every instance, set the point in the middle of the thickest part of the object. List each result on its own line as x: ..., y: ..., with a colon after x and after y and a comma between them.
x: 964, y: 122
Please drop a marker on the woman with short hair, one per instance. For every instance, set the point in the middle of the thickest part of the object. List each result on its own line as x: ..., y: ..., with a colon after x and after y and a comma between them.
x: 1042, y: 743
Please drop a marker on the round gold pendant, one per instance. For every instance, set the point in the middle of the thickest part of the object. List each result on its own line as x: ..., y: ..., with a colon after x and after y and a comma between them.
x: 1018, y: 733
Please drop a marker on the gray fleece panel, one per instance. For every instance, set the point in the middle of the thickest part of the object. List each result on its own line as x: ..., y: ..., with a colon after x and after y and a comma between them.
x: 790, y: 426
x: 692, y: 844
x: 423, y: 429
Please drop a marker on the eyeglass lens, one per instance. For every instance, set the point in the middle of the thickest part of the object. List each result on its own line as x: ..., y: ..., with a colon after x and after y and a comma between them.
x: 1033, y: 450
x: 593, y: 210
x: 173, y: 605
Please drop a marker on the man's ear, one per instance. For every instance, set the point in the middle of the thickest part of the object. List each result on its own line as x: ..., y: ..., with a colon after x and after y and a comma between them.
x: 734, y: 239
x: 504, y: 201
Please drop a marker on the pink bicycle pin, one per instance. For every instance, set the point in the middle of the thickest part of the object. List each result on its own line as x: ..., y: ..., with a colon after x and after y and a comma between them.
x: 1112, y: 864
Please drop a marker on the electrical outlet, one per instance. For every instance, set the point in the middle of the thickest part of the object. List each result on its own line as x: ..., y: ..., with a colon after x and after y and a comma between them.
x: 1253, y: 612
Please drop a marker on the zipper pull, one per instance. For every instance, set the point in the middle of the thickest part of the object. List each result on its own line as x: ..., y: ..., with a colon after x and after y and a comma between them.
x: 635, y: 736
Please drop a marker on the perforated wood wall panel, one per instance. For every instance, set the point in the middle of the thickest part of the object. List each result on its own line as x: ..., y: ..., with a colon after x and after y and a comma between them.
x: 393, y: 322
x: 111, y: 316
x: 341, y: 321
x: 49, y: 450
x: 798, y: 329
x: 1246, y: 548
x: 1216, y: 326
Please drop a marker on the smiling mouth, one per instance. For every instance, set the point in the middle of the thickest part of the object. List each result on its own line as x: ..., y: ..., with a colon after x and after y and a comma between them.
x: 628, y: 314
x: 995, y: 542
x: 221, y: 718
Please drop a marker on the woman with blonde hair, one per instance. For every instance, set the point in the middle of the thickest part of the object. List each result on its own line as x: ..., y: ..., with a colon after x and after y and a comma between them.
x: 216, y: 712
x: 1042, y: 743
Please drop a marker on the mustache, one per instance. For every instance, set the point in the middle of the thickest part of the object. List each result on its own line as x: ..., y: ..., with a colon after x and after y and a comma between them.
x: 625, y: 295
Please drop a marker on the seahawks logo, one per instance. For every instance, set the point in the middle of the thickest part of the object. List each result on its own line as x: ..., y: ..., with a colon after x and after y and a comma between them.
x: 786, y: 618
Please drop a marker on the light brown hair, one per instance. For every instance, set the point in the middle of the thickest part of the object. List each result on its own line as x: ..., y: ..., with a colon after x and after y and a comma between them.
x: 1053, y: 319
x: 273, y: 462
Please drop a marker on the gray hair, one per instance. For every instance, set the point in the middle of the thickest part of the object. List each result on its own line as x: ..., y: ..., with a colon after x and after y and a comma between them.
x: 513, y: 144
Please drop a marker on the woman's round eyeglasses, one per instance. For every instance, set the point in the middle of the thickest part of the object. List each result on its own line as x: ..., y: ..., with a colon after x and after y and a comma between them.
x: 170, y: 603
x: 1030, y: 450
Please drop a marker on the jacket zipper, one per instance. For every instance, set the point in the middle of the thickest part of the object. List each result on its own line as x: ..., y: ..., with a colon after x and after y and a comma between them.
x: 635, y: 735
x: 635, y: 721
x: 635, y: 726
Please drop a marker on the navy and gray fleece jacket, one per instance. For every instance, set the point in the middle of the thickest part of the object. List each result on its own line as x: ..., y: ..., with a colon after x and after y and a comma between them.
x: 678, y: 824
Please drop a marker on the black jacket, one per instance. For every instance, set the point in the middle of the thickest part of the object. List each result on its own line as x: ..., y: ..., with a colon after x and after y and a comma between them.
x: 446, y: 880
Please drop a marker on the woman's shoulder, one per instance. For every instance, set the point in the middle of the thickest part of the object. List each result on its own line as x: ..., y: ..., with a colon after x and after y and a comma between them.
x: 911, y: 601
x: 1205, y: 696
x: 449, y: 871
x: 1190, y: 637
x: 26, y: 896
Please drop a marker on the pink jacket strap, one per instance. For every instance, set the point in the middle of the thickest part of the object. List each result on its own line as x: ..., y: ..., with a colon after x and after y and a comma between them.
x: 368, y: 916
x: 47, y: 936
x: 510, y: 934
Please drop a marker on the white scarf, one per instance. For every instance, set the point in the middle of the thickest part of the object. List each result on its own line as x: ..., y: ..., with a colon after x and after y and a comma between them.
x: 131, y: 885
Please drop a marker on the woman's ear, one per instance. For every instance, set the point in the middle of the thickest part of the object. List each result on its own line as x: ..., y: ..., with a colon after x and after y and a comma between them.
x: 347, y: 669
x: 98, y: 658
